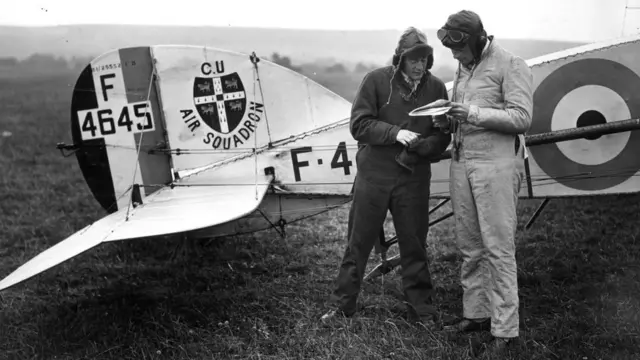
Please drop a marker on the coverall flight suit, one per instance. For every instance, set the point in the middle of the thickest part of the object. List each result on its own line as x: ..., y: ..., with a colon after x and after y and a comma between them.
x: 379, y: 111
x: 485, y: 182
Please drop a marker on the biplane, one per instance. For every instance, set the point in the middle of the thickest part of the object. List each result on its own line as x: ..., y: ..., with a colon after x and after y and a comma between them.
x: 206, y: 142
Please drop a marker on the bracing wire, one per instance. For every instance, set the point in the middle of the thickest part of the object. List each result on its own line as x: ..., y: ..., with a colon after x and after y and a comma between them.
x: 256, y: 78
x: 255, y: 60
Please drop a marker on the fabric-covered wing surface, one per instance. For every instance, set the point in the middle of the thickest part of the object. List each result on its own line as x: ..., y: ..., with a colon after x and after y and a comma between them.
x: 188, y: 206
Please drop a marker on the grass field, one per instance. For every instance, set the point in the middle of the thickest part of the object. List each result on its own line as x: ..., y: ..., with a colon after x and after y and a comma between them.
x: 260, y: 296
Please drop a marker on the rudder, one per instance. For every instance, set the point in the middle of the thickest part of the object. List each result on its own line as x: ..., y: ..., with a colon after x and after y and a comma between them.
x: 115, y: 121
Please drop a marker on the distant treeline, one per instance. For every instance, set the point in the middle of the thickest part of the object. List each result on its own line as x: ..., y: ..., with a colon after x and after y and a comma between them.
x: 309, y: 69
x: 331, y: 68
x: 338, y: 77
x: 49, y: 64
x: 342, y: 79
x: 41, y: 65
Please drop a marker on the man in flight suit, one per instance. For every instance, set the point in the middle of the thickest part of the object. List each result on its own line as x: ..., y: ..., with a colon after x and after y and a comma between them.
x: 394, y: 173
x: 492, y: 105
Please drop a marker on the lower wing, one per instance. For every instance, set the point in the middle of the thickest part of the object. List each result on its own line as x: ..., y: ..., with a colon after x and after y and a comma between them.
x: 189, y: 205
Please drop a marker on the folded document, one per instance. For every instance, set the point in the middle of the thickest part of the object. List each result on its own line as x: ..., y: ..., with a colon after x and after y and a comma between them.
x: 437, y: 107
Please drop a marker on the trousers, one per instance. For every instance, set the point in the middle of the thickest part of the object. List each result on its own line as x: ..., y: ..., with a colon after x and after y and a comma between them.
x: 408, y: 201
x: 484, y: 195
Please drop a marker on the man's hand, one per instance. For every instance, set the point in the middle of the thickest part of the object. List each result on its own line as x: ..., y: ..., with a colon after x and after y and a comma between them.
x: 459, y: 111
x: 407, y: 137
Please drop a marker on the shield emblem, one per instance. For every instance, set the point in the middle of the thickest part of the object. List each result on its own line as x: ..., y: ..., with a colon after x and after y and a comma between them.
x: 220, y: 101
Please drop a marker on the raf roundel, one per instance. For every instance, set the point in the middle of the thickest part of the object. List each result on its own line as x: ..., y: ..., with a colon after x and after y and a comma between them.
x: 582, y: 93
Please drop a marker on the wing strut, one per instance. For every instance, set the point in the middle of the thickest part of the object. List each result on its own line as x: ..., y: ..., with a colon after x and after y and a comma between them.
x: 537, y: 213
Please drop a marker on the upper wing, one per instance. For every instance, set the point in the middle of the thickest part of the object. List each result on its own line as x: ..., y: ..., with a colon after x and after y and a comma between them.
x: 192, y: 204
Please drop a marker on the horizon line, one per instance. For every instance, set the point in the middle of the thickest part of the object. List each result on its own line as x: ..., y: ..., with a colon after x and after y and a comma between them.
x: 275, y: 28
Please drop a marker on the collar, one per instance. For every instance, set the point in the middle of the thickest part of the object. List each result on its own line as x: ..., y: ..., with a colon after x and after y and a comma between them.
x: 413, y: 84
x: 486, y: 46
x: 484, y: 52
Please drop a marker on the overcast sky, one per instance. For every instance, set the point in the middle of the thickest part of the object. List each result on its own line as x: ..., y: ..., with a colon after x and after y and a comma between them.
x: 580, y: 20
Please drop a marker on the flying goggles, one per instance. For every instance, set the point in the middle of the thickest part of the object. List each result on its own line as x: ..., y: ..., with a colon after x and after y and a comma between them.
x: 456, y: 38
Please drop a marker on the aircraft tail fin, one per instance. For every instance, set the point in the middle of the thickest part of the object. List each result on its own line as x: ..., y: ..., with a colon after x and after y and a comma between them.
x: 116, y: 124
x: 148, y: 115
